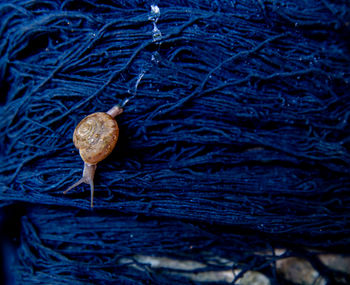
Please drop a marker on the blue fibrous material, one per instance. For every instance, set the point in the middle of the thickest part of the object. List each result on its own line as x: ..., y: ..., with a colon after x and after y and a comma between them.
x: 235, y: 139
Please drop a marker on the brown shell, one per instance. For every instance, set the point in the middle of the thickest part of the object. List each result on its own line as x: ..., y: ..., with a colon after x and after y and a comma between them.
x: 96, y: 136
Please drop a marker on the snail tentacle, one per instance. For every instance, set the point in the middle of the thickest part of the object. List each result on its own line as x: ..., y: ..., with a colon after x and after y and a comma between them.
x: 88, y: 178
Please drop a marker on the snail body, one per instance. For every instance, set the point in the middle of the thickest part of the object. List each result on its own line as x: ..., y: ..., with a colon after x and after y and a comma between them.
x: 95, y: 136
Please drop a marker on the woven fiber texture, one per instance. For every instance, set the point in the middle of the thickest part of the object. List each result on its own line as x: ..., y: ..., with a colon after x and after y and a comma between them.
x: 235, y: 138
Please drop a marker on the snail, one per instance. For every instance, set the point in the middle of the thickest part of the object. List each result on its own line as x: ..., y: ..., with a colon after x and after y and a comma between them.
x: 95, y: 136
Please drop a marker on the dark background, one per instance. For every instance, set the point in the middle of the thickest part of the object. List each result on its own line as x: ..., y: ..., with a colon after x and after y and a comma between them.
x: 235, y: 139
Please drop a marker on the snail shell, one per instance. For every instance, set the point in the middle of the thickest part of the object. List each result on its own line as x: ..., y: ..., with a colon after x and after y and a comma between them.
x: 96, y: 136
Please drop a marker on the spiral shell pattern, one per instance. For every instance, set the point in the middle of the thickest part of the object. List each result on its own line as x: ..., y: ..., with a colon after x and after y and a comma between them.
x: 96, y: 136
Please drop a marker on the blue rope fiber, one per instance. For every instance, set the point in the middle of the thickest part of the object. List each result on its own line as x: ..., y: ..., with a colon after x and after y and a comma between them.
x: 235, y: 137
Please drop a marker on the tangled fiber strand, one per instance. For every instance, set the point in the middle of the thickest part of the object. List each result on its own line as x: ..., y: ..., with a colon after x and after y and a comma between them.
x: 238, y: 119
x: 102, y: 248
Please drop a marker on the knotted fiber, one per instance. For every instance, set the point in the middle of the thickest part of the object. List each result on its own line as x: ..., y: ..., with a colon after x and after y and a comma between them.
x: 235, y: 138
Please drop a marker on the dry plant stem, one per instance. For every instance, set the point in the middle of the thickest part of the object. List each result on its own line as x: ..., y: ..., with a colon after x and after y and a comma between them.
x: 88, y: 178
